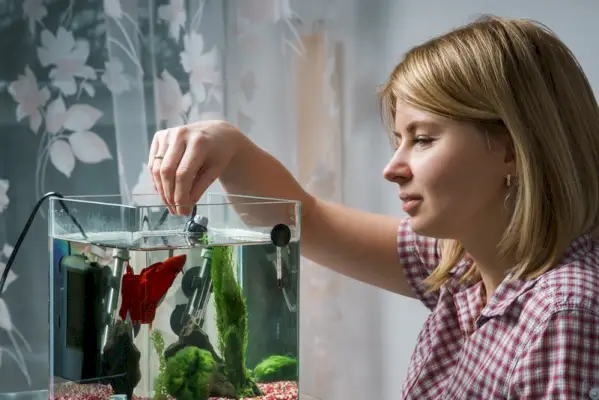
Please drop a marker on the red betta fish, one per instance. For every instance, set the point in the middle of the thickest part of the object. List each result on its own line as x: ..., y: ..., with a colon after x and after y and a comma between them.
x: 141, y: 293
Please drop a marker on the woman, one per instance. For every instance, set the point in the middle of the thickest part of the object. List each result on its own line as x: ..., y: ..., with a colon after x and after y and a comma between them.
x: 497, y: 164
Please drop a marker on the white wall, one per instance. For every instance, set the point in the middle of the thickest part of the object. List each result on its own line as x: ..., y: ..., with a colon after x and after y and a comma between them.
x: 409, y: 23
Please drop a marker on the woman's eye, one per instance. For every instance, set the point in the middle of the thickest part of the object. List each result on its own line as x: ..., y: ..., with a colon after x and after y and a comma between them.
x: 423, y: 140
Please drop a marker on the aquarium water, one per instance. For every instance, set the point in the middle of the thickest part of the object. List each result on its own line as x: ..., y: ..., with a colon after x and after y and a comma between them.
x: 149, y: 305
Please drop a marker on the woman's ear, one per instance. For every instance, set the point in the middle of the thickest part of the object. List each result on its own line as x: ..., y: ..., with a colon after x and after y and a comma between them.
x: 509, y: 157
x: 502, y: 146
x: 510, y: 152
x: 505, y: 143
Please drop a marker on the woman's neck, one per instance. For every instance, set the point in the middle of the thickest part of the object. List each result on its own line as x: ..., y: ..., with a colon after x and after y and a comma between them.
x: 492, y: 267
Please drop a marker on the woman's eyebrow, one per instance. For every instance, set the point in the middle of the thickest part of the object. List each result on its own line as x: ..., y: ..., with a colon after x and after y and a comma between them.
x: 415, y: 125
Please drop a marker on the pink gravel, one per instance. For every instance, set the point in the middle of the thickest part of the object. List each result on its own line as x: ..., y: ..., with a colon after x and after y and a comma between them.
x: 285, y: 390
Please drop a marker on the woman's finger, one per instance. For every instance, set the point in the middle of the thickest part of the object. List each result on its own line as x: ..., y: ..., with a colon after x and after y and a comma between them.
x: 154, y: 147
x: 159, y: 145
x: 205, y: 177
x: 189, y: 167
x: 168, y: 168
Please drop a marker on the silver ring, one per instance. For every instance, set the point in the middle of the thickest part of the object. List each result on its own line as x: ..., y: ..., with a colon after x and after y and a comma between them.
x: 158, y: 157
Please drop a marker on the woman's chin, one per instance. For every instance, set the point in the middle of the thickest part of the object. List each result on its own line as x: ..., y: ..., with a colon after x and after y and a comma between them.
x: 423, y: 226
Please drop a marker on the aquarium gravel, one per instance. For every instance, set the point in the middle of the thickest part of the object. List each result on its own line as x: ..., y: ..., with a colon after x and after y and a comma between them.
x: 272, y: 391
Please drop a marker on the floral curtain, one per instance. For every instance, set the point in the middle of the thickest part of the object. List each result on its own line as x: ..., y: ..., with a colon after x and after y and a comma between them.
x: 85, y: 84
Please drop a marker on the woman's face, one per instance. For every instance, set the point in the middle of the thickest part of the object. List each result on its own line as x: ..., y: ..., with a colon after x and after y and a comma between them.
x: 451, y: 176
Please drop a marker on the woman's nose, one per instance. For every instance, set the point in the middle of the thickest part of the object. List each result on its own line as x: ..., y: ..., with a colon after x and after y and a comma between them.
x: 397, y: 170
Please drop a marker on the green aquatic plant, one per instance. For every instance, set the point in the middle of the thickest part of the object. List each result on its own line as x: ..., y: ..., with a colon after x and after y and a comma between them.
x: 231, y: 322
x: 189, y: 373
x: 160, y: 392
x: 276, y: 368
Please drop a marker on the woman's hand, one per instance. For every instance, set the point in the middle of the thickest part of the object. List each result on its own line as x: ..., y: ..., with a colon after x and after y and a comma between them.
x: 186, y: 160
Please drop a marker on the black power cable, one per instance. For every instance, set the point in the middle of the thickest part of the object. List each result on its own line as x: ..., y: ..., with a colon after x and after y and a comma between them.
x: 13, y: 255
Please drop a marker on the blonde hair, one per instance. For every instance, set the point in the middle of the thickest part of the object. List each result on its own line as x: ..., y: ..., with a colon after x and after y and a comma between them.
x: 515, y: 76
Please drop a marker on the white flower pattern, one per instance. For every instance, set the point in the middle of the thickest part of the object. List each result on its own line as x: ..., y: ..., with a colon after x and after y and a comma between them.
x: 34, y: 11
x: 30, y: 98
x: 172, y: 105
x: 114, y: 78
x: 4, y: 200
x: 6, y: 324
x: 200, y: 65
x: 17, y: 340
x: 112, y: 8
x: 175, y: 14
x: 68, y: 57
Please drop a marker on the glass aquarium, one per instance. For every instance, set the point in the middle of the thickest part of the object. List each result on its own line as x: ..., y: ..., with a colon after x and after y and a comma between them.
x: 145, y: 304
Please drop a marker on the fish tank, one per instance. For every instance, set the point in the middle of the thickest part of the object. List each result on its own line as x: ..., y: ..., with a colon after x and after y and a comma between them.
x: 149, y: 304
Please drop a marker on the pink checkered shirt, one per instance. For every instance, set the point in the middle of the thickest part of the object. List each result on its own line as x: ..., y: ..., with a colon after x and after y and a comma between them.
x: 536, y: 339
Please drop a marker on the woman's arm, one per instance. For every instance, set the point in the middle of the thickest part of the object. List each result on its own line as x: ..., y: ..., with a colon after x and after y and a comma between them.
x: 357, y: 244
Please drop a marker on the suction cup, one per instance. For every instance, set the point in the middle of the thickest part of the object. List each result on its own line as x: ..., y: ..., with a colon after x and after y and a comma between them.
x: 179, y: 319
x: 190, y: 281
x: 280, y: 235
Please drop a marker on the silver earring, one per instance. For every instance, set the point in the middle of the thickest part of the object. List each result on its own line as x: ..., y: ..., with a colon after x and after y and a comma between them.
x: 508, y: 180
x: 508, y: 183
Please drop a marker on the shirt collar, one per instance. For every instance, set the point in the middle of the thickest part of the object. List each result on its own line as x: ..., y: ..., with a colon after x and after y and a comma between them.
x: 508, y: 291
